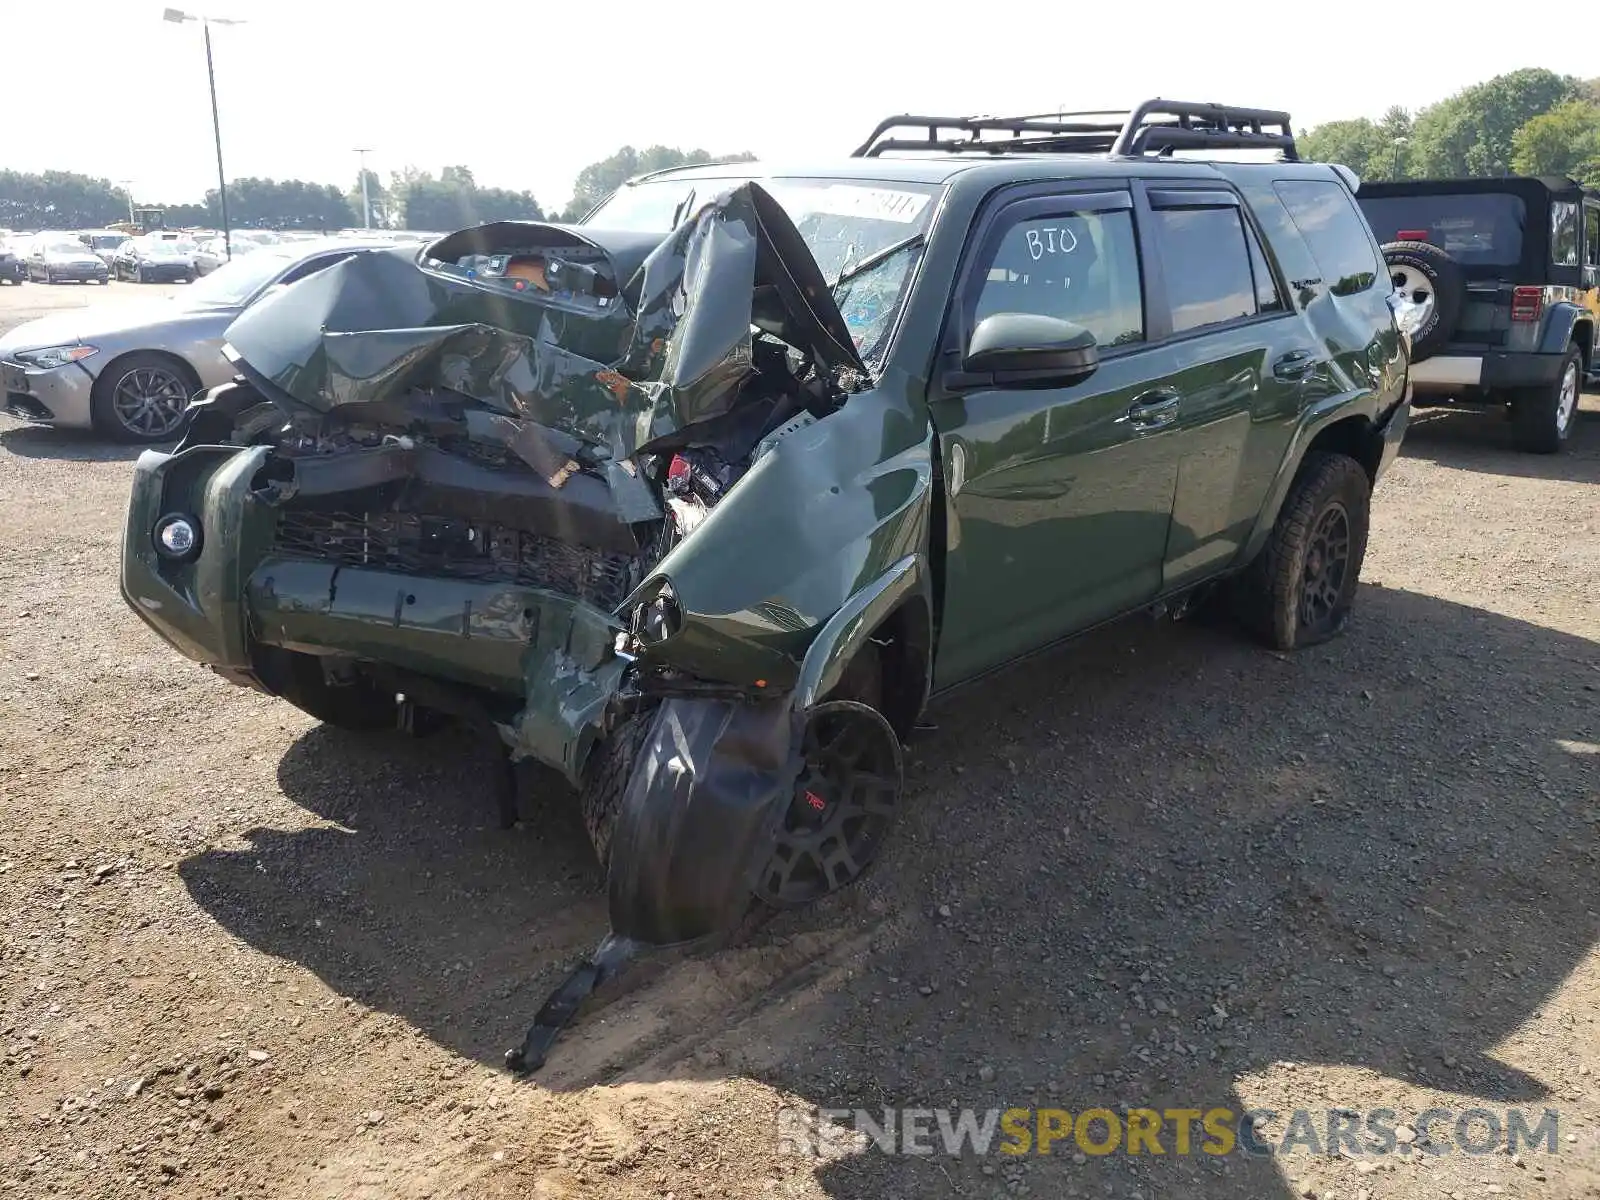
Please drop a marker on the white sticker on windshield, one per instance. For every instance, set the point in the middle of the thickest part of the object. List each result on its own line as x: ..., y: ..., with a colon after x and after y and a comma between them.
x: 880, y: 204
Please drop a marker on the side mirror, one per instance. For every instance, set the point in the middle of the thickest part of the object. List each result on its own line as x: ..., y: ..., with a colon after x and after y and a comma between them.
x: 1029, y: 348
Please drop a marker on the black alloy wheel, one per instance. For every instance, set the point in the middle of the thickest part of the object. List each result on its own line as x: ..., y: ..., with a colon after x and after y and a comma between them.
x: 844, y: 804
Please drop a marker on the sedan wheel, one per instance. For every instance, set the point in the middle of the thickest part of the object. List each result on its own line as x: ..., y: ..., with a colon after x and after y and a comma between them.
x: 143, y: 400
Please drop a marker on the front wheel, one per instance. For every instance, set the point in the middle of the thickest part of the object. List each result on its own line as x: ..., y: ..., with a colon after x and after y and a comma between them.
x: 1542, y: 417
x: 141, y: 398
x: 138, y: 274
x: 1299, y: 590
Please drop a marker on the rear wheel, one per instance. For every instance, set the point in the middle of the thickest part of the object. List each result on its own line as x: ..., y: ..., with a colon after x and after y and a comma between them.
x: 1542, y: 418
x: 1300, y: 588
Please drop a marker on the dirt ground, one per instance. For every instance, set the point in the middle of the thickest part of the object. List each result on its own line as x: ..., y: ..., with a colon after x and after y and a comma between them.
x: 247, y: 956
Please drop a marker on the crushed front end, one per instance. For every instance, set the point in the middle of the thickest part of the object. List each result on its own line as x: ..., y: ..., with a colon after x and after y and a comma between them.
x: 602, y: 495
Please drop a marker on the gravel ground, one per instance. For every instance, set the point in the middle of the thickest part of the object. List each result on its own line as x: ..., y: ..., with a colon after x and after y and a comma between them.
x: 248, y: 956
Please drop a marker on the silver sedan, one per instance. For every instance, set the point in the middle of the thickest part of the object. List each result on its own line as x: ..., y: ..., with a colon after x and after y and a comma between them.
x: 128, y: 370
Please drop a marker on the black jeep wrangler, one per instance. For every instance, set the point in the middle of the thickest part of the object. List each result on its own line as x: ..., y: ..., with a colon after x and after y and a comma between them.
x: 1504, y: 273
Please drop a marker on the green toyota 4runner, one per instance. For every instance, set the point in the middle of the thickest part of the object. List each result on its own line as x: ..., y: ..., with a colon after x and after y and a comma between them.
x: 700, y: 500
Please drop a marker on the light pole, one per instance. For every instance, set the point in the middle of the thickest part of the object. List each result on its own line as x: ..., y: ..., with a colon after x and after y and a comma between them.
x: 127, y: 190
x: 366, y: 205
x: 178, y: 16
x: 1398, y: 142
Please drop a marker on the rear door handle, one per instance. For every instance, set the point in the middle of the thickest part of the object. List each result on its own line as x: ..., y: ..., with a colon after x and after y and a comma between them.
x: 1297, y: 364
x: 1153, y: 410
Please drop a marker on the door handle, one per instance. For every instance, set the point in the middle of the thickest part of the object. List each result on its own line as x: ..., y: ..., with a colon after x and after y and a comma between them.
x: 1153, y: 410
x: 1297, y: 364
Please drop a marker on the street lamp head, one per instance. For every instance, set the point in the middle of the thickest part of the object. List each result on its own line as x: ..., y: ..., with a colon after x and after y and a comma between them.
x: 177, y: 16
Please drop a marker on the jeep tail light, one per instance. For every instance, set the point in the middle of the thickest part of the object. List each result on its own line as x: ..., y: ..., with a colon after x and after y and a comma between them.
x: 1527, y: 303
x: 1411, y: 235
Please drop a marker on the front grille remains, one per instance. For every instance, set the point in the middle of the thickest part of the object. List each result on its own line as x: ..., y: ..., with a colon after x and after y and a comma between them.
x: 453, y: 548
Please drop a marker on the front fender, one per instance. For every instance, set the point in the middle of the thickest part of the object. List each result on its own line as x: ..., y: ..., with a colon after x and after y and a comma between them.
x: 820, y: 518
x: 849, y: 628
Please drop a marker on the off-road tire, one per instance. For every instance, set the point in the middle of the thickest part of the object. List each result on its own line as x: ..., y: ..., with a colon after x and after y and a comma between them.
x: 1268, y: 593
x: 1449, y: 287
x: 611, y: 762
x: 361, y: 706
x: 605, y: 779
x: 1535, y: 412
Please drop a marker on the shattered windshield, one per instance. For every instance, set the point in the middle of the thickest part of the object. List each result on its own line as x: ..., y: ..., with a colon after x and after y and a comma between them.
x: 866, y: 235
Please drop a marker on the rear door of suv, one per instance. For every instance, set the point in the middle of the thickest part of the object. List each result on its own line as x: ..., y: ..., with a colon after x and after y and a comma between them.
x: 1241, y: 364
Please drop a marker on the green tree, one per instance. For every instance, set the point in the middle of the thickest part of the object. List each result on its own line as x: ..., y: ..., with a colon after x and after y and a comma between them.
x: 1359, y: 144
x: 1470, y: 132
x: 282, y: 204
x: 58, y: 200
x: 1563, y: 141
x: 453, y: 201
x: 599, y: 179
x: 377, y: 196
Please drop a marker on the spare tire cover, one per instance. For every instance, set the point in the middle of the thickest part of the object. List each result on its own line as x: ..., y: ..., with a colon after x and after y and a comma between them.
x: 1426, y: 272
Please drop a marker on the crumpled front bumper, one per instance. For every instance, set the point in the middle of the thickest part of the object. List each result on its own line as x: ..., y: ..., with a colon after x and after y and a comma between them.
x: 550, y: 656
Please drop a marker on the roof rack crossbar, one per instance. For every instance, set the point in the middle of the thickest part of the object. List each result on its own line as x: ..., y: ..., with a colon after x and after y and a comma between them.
x: 1206, y: 127
x: 1156, y: 126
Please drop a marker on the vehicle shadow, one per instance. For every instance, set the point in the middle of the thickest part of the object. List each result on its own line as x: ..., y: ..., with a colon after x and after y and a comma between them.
x: 1482, y: 441
x: 1137, y: 873
x: 74, y: 445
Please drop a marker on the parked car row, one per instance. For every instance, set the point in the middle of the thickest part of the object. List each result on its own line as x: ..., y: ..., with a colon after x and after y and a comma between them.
x: 159, y: 256
x: 130, y: 371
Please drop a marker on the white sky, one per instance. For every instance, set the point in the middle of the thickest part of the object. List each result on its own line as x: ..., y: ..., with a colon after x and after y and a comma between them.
x: 527, y: 93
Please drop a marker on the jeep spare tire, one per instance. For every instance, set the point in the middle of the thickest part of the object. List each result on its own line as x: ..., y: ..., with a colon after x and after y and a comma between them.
x: 1426, y: 276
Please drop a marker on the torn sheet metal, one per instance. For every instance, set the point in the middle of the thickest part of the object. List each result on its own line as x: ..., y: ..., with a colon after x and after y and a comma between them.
x: 662, y: 355
x: 570, y: 676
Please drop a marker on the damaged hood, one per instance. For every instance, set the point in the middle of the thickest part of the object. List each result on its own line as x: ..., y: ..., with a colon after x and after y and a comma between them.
x: 659, y: 345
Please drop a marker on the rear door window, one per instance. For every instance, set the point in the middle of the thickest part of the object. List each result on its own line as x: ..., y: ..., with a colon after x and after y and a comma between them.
x: 1482, y: 229
x: 1206, y: 263
x: 1327, y: 218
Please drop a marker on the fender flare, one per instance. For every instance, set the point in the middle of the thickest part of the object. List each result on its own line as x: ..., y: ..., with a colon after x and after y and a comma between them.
x: 1314, y: 420
x: 849, y: 628
x: 1560, y: 327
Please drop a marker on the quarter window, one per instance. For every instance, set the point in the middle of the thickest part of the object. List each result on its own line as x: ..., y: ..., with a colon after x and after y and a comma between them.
x: 1206, y: 264
x: 1337, y: 236
x: 1564, y: 234
x: 1591, y: 237
x: 1081, y: 267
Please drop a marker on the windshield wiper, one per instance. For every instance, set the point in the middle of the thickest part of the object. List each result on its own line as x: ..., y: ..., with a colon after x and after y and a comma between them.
x: 873, y: 260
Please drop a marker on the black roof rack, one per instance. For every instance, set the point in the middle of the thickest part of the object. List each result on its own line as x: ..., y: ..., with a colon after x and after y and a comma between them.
x: 1155, y: 127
